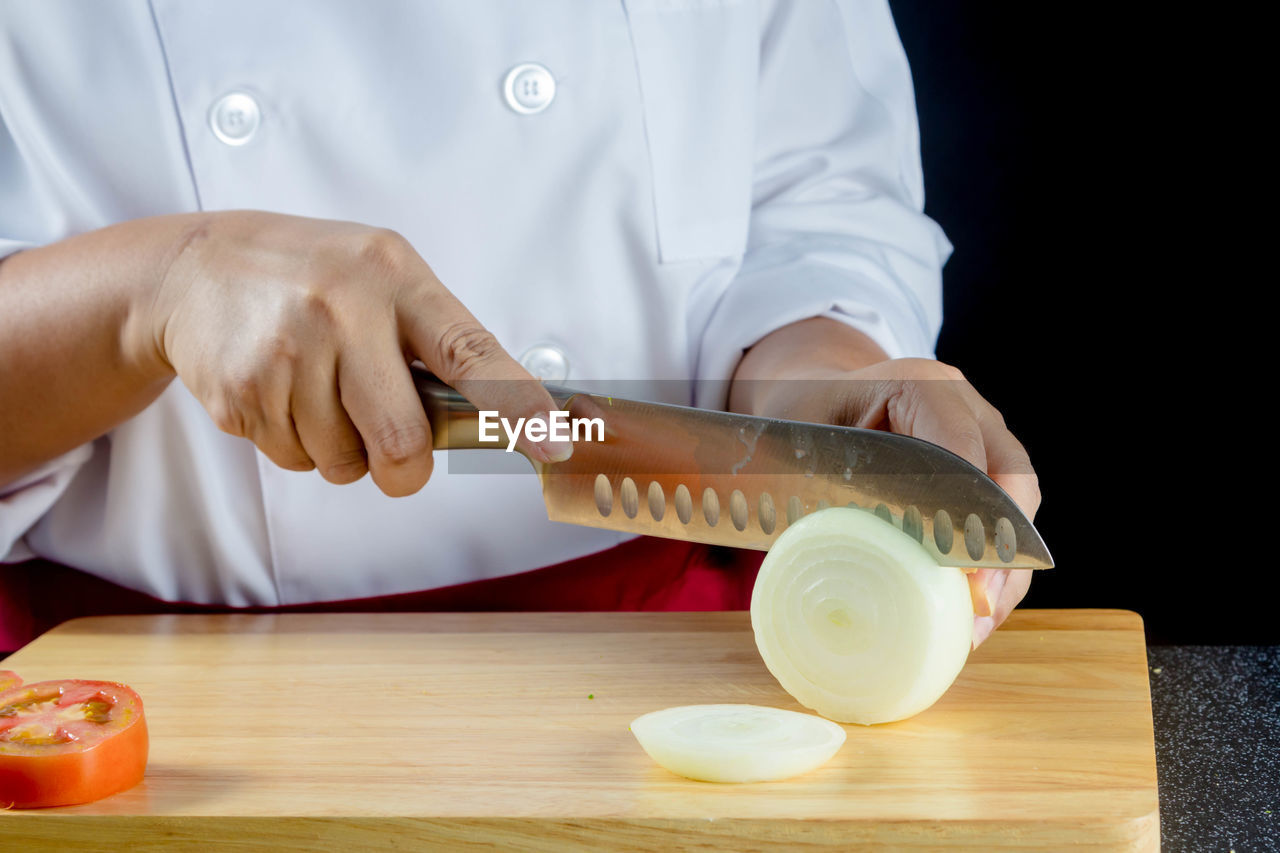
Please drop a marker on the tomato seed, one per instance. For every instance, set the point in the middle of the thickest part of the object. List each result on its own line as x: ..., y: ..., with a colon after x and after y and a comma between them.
x: 97, y: 711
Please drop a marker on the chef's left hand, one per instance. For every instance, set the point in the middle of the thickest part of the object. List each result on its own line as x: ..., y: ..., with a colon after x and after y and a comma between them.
x: 822, y: 371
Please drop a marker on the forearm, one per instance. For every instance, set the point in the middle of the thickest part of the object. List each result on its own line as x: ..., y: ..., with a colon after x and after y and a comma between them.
x: 816, y: 348
x: 77, y: 351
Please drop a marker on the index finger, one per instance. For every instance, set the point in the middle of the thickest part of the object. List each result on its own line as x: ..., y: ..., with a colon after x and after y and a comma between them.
x: 935, y: 411
x: 1007, y: 460
x: 379, y: 398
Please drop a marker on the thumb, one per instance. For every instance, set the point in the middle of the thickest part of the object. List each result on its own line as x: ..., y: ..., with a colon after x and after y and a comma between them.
x: 464, y: 354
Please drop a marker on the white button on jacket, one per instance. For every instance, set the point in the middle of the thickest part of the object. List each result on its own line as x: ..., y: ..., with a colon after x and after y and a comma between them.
x: 652, y: 185
x: 547, y: 362
x: 234, y: 118
x: 529, y: 88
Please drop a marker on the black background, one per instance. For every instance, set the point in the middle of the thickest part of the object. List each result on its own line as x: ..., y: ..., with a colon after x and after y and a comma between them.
x: 1092, y: 173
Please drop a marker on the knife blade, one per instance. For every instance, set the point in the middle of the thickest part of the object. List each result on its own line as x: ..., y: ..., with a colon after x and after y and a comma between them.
x: 738, y: 480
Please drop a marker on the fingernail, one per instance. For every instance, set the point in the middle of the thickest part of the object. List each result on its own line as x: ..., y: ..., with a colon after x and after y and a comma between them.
x: 978, y: 594
x: 548, y: 449
x: 994, y: 587
x: 982, y: 628
x: 557, y: 451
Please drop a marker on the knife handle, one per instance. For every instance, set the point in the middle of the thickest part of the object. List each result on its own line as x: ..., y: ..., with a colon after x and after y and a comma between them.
x: 455, y: 423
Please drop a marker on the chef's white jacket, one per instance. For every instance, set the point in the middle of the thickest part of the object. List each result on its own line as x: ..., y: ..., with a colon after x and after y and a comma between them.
x: 669, y: 181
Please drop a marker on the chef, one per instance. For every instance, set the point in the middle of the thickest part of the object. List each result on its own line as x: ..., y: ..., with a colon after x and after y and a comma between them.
x: 228, y: 229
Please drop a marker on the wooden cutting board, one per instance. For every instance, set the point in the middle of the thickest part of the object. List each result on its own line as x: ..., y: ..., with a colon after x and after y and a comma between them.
x: 485, y: 731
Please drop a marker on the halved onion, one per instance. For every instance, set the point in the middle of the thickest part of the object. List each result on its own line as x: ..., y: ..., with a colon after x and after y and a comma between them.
x: 857, y: 621
x: 737, y: 743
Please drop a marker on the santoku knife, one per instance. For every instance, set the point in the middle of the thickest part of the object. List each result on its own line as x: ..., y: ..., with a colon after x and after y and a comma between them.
x: 737, y: 480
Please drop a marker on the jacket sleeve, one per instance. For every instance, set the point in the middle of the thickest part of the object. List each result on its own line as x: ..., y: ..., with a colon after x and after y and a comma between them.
x: 837, y: 227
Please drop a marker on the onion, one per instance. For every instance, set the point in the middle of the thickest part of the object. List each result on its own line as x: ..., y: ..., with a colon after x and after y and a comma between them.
x: 857, y: 621
x: 737, y: 743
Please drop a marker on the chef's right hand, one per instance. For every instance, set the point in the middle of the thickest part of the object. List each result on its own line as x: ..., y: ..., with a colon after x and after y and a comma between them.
x: 297, y: 334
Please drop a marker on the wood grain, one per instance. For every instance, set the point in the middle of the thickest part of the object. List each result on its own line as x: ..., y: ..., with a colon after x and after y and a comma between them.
x: 479, y: 731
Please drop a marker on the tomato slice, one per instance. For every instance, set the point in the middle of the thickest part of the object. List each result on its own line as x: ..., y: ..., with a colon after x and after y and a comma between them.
x: 8, y: 680
x: 73, y: 741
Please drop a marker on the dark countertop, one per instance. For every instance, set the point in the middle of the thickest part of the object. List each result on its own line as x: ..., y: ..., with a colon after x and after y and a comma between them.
x: 1217, y: 727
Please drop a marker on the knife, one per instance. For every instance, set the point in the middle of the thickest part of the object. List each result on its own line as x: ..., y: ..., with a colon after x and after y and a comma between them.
x: 729, y: 479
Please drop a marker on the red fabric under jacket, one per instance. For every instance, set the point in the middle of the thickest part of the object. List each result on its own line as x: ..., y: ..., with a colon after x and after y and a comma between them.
x: 642, y: 574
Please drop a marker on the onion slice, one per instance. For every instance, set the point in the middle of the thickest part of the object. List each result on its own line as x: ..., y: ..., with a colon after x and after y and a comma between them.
x: 857, y: 621
x: 737, y: 743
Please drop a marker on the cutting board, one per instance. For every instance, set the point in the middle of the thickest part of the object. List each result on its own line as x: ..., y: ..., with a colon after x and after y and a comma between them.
x: 509, y: 731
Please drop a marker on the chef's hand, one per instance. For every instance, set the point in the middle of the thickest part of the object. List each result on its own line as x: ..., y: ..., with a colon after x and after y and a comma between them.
x: 298, y: 335
x: 850, y: 381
